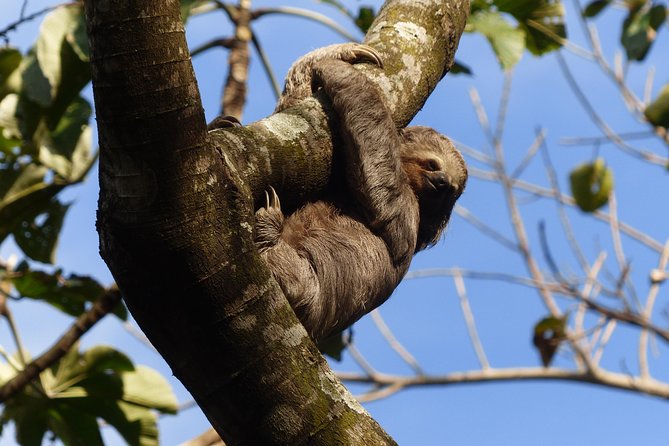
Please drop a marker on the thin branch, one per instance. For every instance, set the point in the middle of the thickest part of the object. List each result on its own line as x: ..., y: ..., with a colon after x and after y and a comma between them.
x: 597, y: 140
x: 603, y: 126
x: 102, y: 306
x: 360, y: 359
x: 647, y: 313
x: 484, y: 228
x: 551, y: 173
x: 615, y: 232
x: 514, y: 212
x: 226, y: 43
x: 389, y: 336
x: 621, y: 381
x: 310, y: 15
x: 630, y: 231
x: 606, y: 336
x: 264, y: 59
x: 451, y: 272
x: 539, y: 141
x: 469, y: 320
x: 7, y: 314
x: 587, y: 291
x: 12, y: 26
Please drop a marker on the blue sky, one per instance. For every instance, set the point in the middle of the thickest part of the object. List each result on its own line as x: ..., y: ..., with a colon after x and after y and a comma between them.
x: 425, y: 313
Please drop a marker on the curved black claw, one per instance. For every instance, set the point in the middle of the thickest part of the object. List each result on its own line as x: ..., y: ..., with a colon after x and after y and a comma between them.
x: 222, y: 122
x: 367, y: 54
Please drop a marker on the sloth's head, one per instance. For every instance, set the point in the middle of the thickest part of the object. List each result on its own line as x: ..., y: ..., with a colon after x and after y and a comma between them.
x: 437, y: 174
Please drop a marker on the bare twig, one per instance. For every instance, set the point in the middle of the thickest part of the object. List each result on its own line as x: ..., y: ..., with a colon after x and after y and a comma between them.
x: 305, y: 13
x: 484, y: 228
x: 621, y: 381
x: 389, y: 336
x: 360, y: 359
x: 606, y: 336
x: 469, y: 320
x: 539, y: 141
x: 630, y: 231
x: 564, y: 219
x: 12, y: 26
x: 603, y: 126
x: 264, y: 59
x: 647, y: 313
x: 215, y: 43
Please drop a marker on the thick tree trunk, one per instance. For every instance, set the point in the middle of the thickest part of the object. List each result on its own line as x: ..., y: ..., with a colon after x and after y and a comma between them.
x: 176, y: 216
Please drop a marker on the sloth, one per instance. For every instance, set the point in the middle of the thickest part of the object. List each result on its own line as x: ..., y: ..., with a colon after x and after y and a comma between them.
x: 341, y: 256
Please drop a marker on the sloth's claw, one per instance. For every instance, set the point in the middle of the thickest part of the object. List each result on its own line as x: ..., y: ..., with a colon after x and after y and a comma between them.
x: 364, y: 53
x: 222, y: 122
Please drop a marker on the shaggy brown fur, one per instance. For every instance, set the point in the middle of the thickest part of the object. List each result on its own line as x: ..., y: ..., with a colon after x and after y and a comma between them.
x: 337, y: 259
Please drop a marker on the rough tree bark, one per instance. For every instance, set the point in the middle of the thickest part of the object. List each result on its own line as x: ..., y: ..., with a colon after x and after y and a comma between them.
x: 176, y: 215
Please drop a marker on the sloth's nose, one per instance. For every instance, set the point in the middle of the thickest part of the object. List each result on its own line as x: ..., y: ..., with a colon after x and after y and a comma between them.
x: 441, y: 180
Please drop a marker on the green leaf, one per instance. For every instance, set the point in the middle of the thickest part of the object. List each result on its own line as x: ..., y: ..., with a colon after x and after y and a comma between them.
x: 58, y: 26
x: 10, y: 59
x: 459, y: 68
x: 102, y: 359
x: 73, y: 427
x: 591, y: 185
x: 507, y: 42
x: 548, y: 333
x: 657, y: 112
x: 640, y: 29
x: 29, y: 415
x: 595, y: 7
x: 68, y: 294
x: 541, y: 20
x: 365, y: 18
x: 38, y: 235
x: 68, y: 150
x: 147, y: 388
x: 23, y: 193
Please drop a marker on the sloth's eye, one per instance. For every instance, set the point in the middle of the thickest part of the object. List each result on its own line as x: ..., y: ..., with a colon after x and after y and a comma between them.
x: 432, y: 165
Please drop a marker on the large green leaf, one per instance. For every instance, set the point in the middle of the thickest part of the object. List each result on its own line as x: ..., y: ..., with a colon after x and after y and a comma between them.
x: 147, y: 388
x: 67, y: 150
x: 29, y: 414
x: 37, y: 235
x: 68, y: 294
x: 507, y: 42
x: 657, y: 112
x: 640, y: 29
x: 542, y: 21
x: 54, y: 50
x: 73, y: 427
x: 591, y: 185
x: 23, y: 193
